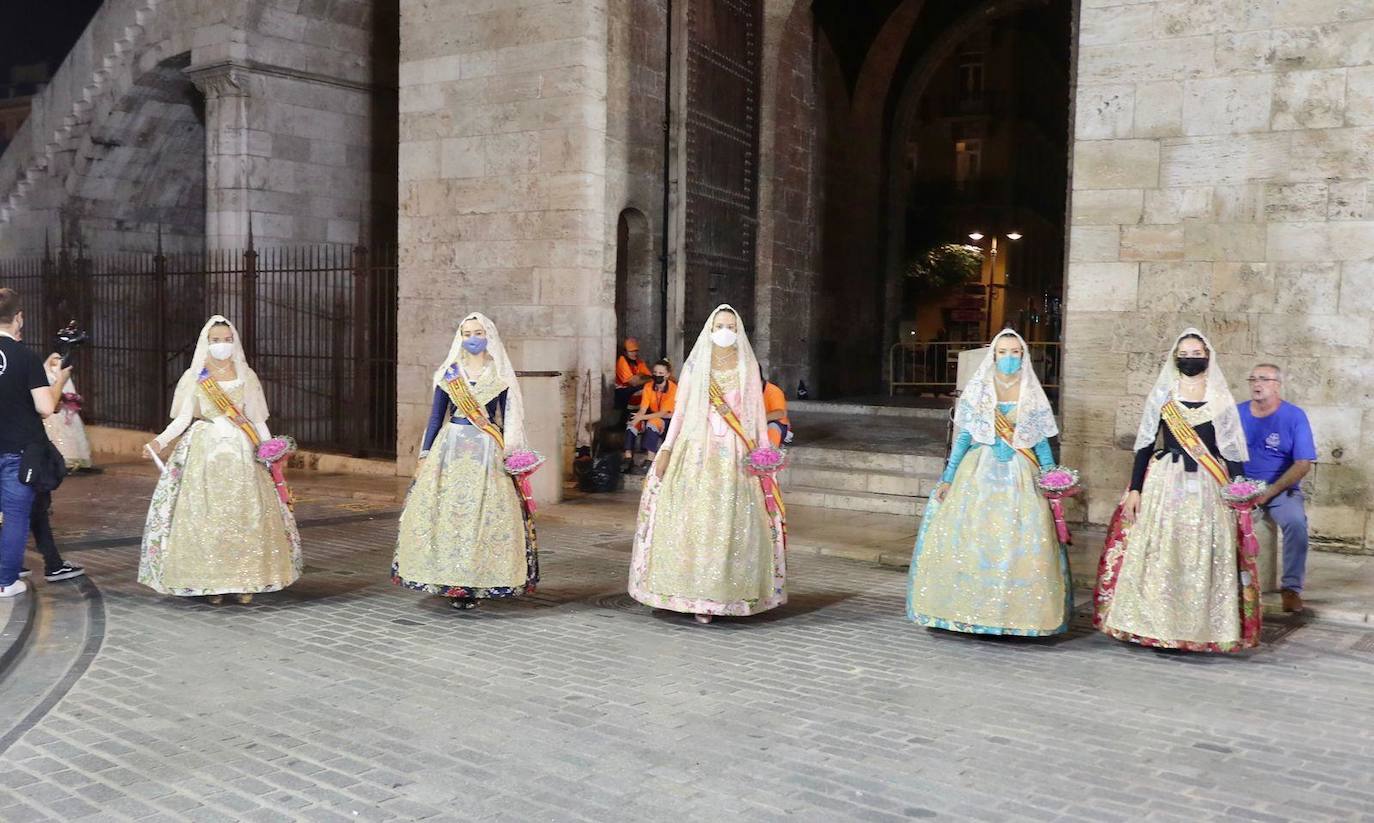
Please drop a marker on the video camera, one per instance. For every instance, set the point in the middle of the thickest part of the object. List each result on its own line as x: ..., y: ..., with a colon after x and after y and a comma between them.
x: 68, y: 340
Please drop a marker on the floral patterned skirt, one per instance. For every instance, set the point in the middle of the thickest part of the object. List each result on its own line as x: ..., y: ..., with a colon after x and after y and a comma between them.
x: 1175, y: 578
x: 705, y: 542
x: 464, y: 532
x: 988, y: 560
x: 216, y: 524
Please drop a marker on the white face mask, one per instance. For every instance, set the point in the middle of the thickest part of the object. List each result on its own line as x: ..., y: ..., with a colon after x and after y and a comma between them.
x: 221, y: 351
x: 725, y: 338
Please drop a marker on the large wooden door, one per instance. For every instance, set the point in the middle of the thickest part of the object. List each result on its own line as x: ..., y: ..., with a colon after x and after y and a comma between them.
x: 724, y: 44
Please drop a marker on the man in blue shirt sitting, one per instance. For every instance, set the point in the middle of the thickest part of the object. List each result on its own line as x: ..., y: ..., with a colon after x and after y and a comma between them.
x: 1281, y: 454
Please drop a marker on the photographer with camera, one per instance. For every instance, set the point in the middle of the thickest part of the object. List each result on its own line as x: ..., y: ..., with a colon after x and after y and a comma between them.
x: 26, y: 397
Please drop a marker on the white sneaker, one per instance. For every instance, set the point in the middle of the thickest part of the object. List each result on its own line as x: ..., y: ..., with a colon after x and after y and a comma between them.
x: 14, y: 589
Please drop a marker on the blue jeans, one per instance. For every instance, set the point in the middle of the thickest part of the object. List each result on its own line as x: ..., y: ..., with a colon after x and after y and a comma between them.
x: 16, y: 503
x: 1290, y: 517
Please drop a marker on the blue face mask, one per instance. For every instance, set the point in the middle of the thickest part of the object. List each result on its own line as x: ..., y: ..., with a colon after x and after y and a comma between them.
x: 1008, y: 364
x: 475, y: 345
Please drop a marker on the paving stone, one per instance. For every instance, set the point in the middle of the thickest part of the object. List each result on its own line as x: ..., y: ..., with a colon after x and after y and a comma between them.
x: 346, y: 698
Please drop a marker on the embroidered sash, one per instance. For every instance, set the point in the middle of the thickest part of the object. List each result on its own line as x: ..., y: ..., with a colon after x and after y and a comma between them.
x: 217, y: 395
x: 1007, y: 431
x: 465, y: 401
x: 772, y: 495
x: 1188, y: 438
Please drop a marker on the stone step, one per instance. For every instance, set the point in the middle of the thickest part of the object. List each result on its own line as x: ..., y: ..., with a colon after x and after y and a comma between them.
x: 854, y: 501
x: 850, y: 480
x: 867, y: 409
x: 823, y: 497
x: 918, y: 465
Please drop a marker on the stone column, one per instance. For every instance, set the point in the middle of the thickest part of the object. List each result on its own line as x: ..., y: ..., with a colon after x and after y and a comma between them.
x: 228, y: 94
x: 503, y: 198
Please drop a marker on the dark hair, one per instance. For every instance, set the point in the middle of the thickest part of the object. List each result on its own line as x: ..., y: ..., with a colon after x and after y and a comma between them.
x: 9, y: 305
x: 665, y: 364
x: 1193, y: 337
x: 224, y: 323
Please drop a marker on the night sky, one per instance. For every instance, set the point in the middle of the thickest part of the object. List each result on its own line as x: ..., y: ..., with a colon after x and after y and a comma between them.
x: 40, y: 31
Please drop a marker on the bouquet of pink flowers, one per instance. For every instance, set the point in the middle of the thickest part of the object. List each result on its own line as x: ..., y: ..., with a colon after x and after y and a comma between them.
x: 1242, y: 492
x: 1057, y: 483
x: 71, y: 400
x: 1059, y: 480
x: 275, y: 450
x: 765, y: 461
x: 520, y: 462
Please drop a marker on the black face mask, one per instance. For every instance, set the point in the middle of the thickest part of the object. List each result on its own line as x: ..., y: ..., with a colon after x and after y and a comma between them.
x: 1191, y: 366
x: 659, y: 381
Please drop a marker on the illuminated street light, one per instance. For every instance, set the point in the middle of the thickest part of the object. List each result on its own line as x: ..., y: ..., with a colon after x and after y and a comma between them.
x: 1015, y: 235
x: 975, y: 236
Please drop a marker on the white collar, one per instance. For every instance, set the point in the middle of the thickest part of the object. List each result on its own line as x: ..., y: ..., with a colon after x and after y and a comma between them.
x: 10, y: 336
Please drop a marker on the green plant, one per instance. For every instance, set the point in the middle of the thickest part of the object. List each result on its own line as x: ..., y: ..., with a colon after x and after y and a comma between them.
x: 946, y: 265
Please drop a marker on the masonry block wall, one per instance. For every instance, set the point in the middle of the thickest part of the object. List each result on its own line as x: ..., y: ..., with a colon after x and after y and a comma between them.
x: 1223, y: 160
x: 789, y: 197
x: 286, y: 119
x: 503, y: 190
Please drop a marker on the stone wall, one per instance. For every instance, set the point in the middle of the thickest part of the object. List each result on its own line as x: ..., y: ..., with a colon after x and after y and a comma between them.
x: 503, y: 141
x: 789, y: 197
x: 290, y: 120
x: 635, y: 88
x: 1222, y: 170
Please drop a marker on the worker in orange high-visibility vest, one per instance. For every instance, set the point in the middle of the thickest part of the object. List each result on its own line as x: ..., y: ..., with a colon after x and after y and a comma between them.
x: 631, y: 374
x: 775, y: 406
x: 647, y: 428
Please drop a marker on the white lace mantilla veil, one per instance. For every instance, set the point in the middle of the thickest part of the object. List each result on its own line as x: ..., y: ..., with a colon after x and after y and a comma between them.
x: 694, y: 387
x: 254, y: 401
x: 513, y: 427
x: 1226, y: 422
x: 976, y: 413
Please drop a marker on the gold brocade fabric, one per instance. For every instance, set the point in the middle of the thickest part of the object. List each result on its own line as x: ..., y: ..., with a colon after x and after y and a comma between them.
x: 988, y: 560
x: 216, y: 524
x: 705, y: 542
x: 463, y: 526
x: 1178, y: 579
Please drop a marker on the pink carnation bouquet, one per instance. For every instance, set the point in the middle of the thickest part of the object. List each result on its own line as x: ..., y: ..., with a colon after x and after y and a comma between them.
x: 1059, y: 480
x: 1242, y: 492
x: 1057, y: 483
x: 765, y: 461
x: 275, y: 450
x: 520, y: 462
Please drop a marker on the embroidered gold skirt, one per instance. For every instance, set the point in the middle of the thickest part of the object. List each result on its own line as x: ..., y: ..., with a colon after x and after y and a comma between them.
x: 1173, y: 580
x: 987, y: 560
x: 216, y: 524
x: 463, y: 532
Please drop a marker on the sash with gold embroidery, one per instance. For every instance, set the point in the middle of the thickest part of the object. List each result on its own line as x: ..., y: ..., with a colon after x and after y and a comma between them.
x: 217, y: 395
x: 460, y: 393
x: 772, y: 494
x: 1188, y: 438
x: 1007, y: 431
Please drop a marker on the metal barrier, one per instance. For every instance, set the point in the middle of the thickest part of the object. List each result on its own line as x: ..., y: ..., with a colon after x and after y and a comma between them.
x: 933, y: 367
x: 318, y: 326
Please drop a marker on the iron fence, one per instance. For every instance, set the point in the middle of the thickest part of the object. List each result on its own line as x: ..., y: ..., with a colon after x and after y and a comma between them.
x: 934, y: 367
x: 318, y: 325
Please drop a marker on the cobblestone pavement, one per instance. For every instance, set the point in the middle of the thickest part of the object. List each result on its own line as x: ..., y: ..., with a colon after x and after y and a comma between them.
x: 344, y: 698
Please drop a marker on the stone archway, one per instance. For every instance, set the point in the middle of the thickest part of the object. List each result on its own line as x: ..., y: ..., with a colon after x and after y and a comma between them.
x: 141, y: 176
x: 899, y: 168
x: 637, y: 290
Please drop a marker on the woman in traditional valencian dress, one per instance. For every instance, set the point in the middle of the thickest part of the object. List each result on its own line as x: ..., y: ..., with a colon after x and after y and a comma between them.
x: 1171, y: 574
x: 218, y: 524
x: 988, y: 558
x: 467, y: 532
x: 65, y: 429
x: 709, y: 538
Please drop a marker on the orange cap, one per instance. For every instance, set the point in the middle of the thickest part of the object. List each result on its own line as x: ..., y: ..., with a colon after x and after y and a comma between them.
x: 631, y: 344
